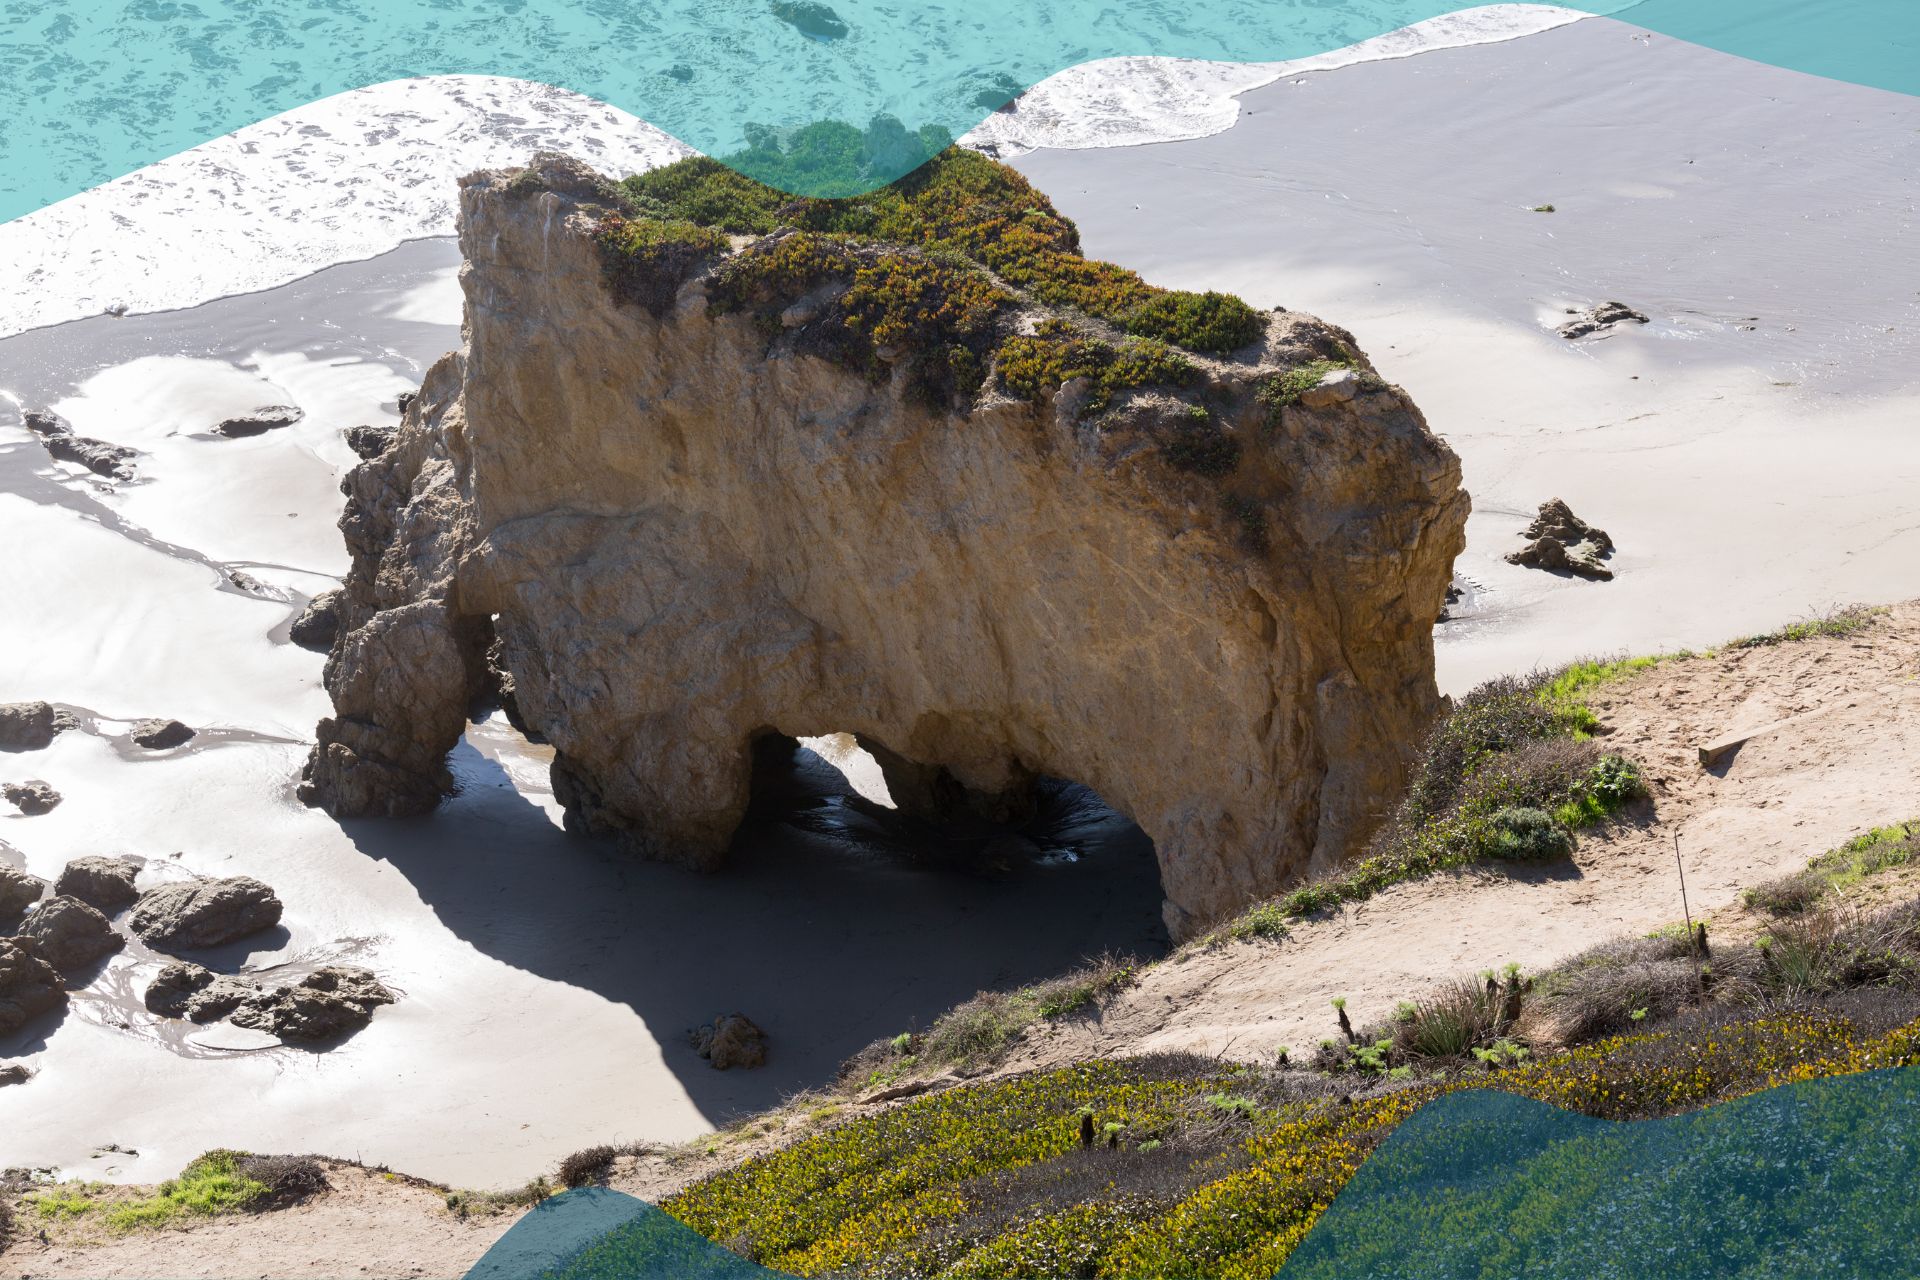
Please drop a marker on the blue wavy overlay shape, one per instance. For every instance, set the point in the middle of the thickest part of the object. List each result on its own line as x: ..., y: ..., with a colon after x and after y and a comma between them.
x: 1809, y: 1181
x: 92, y: 89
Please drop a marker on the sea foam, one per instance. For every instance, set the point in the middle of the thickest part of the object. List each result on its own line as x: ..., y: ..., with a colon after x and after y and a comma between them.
x: 354, y: 175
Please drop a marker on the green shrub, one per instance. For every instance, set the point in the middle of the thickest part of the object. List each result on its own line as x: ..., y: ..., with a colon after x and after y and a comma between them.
x: 1216, y: 322
x: 1836, y: 623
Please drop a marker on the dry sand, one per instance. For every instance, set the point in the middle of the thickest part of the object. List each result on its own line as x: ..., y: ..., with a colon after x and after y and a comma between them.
x: 1754, y: 451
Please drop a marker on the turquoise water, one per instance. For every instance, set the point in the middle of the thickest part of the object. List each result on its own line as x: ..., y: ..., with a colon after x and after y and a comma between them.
x: 92, y: 89
x: 1811, y: 1181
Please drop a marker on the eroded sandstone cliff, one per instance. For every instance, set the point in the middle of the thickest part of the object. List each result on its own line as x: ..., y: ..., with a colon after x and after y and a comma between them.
x: 689, y: 490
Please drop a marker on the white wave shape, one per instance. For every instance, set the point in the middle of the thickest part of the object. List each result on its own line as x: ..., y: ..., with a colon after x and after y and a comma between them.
x: 357, y: 174
x: 345, y: 178
x: 1123, y: 102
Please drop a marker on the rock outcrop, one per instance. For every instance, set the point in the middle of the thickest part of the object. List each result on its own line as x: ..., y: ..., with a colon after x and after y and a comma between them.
x: 106, y: 884
x: 327, y: 1004
x: 31, y: 798
x: 1561, y: 542
x: 318, y: 624
x: 161, y: 735
x: 694, y: 511
x: 111, y: 461
x: 1600, y: 318
x: 267, y: 418
x: 68, y: 934
x: 187, y: 990
x: 204, y: 913
x: 18, y: 891
x: 30, y: 726
x: 29, y: 986
x: 730, y: 1040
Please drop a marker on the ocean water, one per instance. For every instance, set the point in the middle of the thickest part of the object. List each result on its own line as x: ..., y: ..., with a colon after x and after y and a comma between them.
x: 93, y: 89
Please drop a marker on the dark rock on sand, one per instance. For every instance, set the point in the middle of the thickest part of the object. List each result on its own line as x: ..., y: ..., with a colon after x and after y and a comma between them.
x: 371, y: 442
x: 186, y: 990
x: 1562, y: 542
x: 204, y: 913
x: 32, y: 798
x: 29, y: 986
x: 406, y: 401
x: 161, y: 735
x: 1605, y: 316
x: 325, y: 1005
x: 810, y: 17
x: 15, y: 1073
x: 731, y: 1040
x: 18, y: 891
x: 68, y: 934
x: 56, y: 437
x: 262, y: 420
x: 102, y: 883
x: 318, y: 623
x: 30, y: 726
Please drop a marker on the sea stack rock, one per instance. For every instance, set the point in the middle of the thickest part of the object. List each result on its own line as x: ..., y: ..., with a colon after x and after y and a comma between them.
x: 703, y: 487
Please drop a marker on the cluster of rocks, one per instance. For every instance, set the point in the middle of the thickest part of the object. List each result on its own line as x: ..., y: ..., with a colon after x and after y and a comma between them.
x: 1561, y: 542
x: 32, y: 726
x: 730, y: 1040
x: 112, y: 461
x: 327, y: 1004
x: 1600, y: 318
x: 32, y: 797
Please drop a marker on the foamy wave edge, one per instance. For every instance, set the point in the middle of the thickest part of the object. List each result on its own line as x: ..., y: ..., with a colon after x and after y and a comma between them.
x: 357, y: 174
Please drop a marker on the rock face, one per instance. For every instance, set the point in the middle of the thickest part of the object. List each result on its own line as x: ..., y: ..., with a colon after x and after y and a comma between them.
x: 68, y: 934
x: 18, y: 891
x: 102, y: 883
x: 31, y: 798
x: 204, y: 913
x: 689, y: 528
x: 1561, y: 542
x: 731, y: 1040
x: 29, y: 726
x: 161, y: 735
x: 318, y: 623
x: 29, y: 986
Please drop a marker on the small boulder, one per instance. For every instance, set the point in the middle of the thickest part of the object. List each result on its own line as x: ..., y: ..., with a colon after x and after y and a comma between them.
x: 325, y: 1005
x: 102, y: 883
x: 204, y: 913
x: 318, y: 623
x: 264, y: 419
x: 406, y: 401
x: 56, y: 437
x: 68, y: 934
x: 31, y: 798
x: 1599, y: 318
x: 1561, y: 542
x: 14, y: 1073
x: 186, y: 990
x: 29, y: 726
x: 731, y: 1040
x: 812, y: 18
x: 29, y: 986
x: 161, y: 735
x: 18, y: 891
x: 370, y: 442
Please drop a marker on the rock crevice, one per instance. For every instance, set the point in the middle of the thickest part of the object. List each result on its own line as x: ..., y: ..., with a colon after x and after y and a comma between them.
x: 677, y: 528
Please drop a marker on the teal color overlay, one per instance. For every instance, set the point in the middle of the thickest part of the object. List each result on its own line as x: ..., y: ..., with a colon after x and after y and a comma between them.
x: 1810, y: 1181
x: 92, y: 89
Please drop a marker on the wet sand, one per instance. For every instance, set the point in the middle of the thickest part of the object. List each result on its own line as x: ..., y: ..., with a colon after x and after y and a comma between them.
x: 1754, y: 451
x: 547, y: 981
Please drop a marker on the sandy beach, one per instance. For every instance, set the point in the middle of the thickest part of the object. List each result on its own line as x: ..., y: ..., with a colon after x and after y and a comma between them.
x: 1752, y: 450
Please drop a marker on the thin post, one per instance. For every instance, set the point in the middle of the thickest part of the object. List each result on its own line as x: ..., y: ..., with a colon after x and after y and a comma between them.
x: 1681, y: 868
